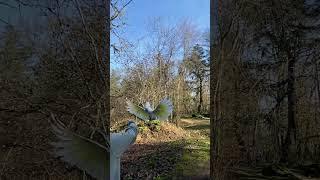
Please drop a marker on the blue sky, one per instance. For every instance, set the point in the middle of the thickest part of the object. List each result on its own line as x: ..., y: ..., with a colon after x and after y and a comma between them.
x: 139, y: 12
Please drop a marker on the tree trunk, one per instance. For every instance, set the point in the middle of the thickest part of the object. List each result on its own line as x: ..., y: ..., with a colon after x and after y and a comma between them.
x: 159, y: 76
x: 213, y: 150
x: 200, y: 96
x: 178, y: 105
x: 317, y: 82
x: 289, y: 146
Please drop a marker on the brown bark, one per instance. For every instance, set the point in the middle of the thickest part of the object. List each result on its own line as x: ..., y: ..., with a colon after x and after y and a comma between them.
x: 213, y: 150
x: 289, y: 146
x: 200, y: 96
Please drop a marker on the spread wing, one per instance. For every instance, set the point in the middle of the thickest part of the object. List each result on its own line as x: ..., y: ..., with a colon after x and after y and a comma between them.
x: 164, y: 109
x: 137, y: 111
x: 80, y: 151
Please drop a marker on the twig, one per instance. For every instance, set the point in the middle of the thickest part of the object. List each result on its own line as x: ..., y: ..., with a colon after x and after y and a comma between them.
x: 94, y: 46
x: 8, y: 5
x: 6, y: 159
x: 118, y: 11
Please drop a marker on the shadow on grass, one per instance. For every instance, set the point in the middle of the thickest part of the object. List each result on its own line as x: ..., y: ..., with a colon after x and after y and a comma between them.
x: 196, y: 116
x: 199, y: 127
x: 179, y: 159
x: 145, y: 161
x: 194, y: 163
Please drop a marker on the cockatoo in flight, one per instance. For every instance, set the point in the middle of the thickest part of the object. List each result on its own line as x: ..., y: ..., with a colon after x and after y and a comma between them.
x: 89, y: 155
x: 146, y: 113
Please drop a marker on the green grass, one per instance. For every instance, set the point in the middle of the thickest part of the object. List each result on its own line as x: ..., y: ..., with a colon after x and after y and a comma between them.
x: 194, y: 160
x: 195, y: 156
x: 143, y: 129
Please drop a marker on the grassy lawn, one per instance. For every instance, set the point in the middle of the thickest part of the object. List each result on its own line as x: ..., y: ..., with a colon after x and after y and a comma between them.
x: 195, y: 158
x: 194, y: 161
x: 169, y: 152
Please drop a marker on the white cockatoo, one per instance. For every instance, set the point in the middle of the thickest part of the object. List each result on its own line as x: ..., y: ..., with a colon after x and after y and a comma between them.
x: 89, y: 155
x: 120, y: 142
x: 146, y: 113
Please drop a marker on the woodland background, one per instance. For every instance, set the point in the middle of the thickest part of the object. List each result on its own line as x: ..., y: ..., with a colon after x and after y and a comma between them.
x: 264, y: 80
x: 264, y: 85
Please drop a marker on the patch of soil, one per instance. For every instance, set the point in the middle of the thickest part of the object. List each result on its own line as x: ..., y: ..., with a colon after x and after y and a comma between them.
x: 156, y: 153
x: 146, y: 161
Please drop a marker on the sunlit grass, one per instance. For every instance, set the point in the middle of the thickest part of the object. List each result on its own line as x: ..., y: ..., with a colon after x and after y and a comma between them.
x: 195, y: 154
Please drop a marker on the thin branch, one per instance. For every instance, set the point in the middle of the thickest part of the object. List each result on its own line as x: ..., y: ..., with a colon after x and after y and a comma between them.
x: 8, y: 5
x: 5, y: 22
x: 94, y: 46
x: 118, y: 12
